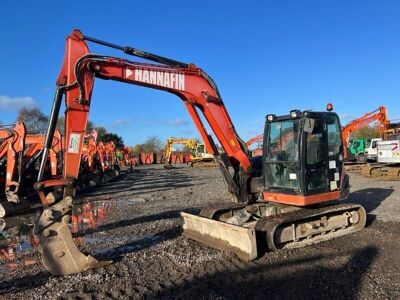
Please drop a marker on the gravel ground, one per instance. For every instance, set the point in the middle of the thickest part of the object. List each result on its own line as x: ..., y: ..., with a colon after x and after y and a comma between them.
x: 141, y: 232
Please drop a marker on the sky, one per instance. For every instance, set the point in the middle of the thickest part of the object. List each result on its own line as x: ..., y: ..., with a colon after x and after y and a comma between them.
x: 265, y: 56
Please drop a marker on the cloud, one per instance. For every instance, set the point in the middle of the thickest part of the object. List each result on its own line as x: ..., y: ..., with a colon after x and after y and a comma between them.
x: 8, y: 103
x: 177, y: 122
x: 122, y: 122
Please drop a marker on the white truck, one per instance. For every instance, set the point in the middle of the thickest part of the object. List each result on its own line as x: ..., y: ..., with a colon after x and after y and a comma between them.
x: 388, y: 151
x: 371, y: 150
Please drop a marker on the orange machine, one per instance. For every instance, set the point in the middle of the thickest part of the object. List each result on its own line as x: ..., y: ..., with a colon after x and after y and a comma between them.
x: 380, y: 115
x: 127, y: 157
x: 289, y: 180
x: 21, y: 149
x: 257, y: 139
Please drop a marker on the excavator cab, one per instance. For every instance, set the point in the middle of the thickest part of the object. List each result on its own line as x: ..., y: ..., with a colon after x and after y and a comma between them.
x: 302, y: 153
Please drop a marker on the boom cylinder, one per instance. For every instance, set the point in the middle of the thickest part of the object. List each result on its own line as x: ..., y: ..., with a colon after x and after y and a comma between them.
x: 48, y: 142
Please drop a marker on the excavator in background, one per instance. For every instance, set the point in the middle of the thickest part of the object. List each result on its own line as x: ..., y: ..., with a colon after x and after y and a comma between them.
x: 125, y: 157
x: 354, y: 152
x: 387, y: 166
x: 257, y: 139
x: 292, y: 203
x: 198, y: 158
x: 170, y: 142
x: 20, y: 152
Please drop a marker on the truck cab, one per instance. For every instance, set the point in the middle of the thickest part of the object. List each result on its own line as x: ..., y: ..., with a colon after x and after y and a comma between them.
x: 371, y: 149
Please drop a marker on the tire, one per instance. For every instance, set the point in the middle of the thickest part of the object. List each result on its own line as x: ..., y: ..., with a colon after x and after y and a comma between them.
x: 361, y: 158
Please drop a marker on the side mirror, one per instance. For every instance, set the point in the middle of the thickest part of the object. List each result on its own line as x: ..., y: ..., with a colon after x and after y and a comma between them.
x: 309, y: 125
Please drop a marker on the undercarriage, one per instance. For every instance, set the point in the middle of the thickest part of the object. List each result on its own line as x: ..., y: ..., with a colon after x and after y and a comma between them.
x: 251, y: 230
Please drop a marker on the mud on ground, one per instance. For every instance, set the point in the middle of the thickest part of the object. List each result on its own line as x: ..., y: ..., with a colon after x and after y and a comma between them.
x: 141, y: 231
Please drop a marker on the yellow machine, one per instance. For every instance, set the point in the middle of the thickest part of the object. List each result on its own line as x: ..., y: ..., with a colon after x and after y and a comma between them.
x: 201, y: 158
x: 189, y: 143
x: 198, y: 157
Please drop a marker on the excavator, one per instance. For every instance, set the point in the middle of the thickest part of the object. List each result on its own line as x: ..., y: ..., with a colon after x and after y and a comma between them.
x: 21, y: 151
x: 257, y: 139
x: 170, y: 142
x: 198, y: 158
x: 379, y: 115
x: 292, y: 203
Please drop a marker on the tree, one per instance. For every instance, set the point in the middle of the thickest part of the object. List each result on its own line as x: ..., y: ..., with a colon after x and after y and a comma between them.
x: 33, y: 119
x: 367, y: 132
x: 60, y: 124
x: 152, y: 144
x: 101, y: 131
x: 137, y: 149
x: 108, y: 137
x: 90, y: 125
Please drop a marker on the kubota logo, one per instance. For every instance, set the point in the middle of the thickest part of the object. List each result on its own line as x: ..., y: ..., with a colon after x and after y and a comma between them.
x: 161, y: 78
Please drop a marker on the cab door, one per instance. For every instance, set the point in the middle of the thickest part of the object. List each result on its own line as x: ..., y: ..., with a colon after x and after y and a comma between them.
x: 323, y: 161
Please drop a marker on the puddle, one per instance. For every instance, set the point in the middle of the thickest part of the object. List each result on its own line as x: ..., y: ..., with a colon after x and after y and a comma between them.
x: 16, y: 233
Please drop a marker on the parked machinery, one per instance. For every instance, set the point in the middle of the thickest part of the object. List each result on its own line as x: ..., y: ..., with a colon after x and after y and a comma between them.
x: 354, y: 152
x: 255, y: 140
x: 198, y: 157
x: 19, y: 153
x: 170, y: 142
x: 388, y: 161
x: 126, y: 157
x: 302, y: 164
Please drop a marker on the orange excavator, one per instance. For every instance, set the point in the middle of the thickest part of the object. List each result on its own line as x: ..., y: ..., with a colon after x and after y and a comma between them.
x: 126, y: 157
x: 289, y: 205
x: 379, y: 115
x: 257, y: 139
x: 22, y: 149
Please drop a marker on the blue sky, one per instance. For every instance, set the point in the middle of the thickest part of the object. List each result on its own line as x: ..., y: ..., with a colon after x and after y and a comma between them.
x: 266, y: 57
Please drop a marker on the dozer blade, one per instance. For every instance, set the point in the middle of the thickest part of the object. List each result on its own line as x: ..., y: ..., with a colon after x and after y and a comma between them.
x: 220, y: 235
x: 60, y: 255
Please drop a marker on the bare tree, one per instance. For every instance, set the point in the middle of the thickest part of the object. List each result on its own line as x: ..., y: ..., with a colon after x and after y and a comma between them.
x: 137, y: 149
x: 60, y: 124
x: 33, y: 119
x: 152, y: 144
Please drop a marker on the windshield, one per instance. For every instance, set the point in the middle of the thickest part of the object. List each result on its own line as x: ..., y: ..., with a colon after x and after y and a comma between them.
x: 282, y: 155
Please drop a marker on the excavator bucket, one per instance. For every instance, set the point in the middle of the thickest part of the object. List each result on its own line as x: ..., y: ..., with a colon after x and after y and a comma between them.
x: 60, y: 255
x: 220, y: 235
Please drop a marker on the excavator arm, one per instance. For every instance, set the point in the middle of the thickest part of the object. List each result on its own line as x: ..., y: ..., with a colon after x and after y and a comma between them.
x: 75, y: 83
x: 255, y: 139
x: 380, y: 115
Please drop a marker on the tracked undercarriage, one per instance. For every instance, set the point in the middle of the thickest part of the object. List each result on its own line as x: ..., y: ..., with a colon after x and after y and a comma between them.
x: 203, y: 164
x: 250, y: 230
x: 381, y: 171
